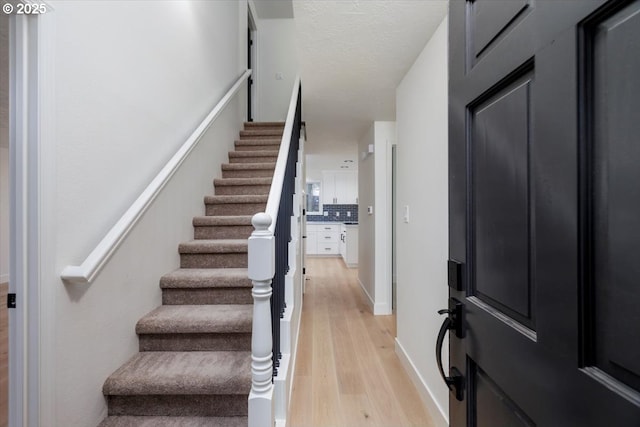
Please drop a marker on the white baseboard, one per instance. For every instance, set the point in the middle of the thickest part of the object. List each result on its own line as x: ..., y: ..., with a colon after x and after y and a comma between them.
x: 369, y: 299
x: 281, y: 386
x: 377, y: 308
x: 382, y: 309
x: 440, y: 415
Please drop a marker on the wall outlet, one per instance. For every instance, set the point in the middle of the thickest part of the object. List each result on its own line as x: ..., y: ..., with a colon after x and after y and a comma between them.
x: 337, y: 213
x: 370, y: 210
x: 406, y: 214
x: 326, y: 213
x: 348, y: 213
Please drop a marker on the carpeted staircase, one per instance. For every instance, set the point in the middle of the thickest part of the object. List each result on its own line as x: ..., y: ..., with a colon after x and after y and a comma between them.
x: 194, y: 364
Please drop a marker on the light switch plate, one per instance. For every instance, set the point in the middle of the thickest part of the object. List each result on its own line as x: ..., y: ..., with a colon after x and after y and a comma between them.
x: 348, y: 213
x: 406, y: 214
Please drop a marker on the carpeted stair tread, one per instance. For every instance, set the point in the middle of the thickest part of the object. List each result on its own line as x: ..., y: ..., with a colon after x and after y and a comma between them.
x: 259, y: 153
x: 262, y: 141
x: 213, y: 246
x: 197, y: 319
x: 264, y: 133
x: 219, y: 182
x: 247, y: 166
x: 182, y: 373
x: 226, y: 220
x: 150, y: 421
x: 236, y: 198
x: 206, y: 278
x: 249, y: 125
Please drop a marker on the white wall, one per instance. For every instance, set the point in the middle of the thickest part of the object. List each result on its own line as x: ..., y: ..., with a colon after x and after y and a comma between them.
x: 4, y: 148
x: 374, y: 230
x: 276, y: 54
x: 132, y: 80
x: 366, y: 222
x: 4, y: 214
x: 422, y: 244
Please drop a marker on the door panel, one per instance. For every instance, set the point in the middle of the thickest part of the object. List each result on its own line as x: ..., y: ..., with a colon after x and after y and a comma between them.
x: 544, y: 200
x: 500, y: 196
x: 491, y: 19
x: 493, y: 406
x: 616, y: 194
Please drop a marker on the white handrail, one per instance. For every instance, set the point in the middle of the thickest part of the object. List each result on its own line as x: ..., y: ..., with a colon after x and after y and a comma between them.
x: 273, y: 202
x: 97, y: 259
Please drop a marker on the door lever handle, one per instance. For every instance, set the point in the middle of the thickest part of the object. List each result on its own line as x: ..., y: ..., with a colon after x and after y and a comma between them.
x: 454, y: 321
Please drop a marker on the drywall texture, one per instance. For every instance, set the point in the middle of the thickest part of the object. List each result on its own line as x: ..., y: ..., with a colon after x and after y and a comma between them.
x: 4, y: 148
x: 374, y: 189
x: 366, y: 221
x: 4, y: 214
x: 422, y: 243
x: 353, y: 54
x: 277, y: 68
x: 128, y: 92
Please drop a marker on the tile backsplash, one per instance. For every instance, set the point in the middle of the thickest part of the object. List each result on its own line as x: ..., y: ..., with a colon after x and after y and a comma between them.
x: 332, y: 210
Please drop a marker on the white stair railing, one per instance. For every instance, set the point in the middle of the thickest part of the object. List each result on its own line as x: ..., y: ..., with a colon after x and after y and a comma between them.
x: 267, y: 264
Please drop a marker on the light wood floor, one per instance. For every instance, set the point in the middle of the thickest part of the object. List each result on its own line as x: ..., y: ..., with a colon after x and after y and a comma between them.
x: 347, y: 373
x: 4, y: 356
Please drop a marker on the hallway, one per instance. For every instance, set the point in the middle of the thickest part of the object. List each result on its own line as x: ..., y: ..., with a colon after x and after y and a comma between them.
x: 347, y: 372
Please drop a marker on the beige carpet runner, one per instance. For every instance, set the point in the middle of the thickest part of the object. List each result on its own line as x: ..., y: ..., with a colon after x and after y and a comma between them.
x: 194, y: 364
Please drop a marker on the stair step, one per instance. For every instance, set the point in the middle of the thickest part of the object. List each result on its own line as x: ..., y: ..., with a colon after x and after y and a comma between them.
x: 237, y: 186
x: 235, y: 205
x: 222, y: 227
x: 260, y: 156
x: 213, y: 253
x: 174, y: 383
x: 261, y: 133
x: 257, y: 145
x: 196, y: 328
x: 128, y: 421
x: 251, y: 125
x: 248, y: 170
x: 194, y: 286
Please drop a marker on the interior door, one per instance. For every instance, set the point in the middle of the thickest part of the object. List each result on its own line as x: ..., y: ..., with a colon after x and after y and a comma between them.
x: 544, y: 186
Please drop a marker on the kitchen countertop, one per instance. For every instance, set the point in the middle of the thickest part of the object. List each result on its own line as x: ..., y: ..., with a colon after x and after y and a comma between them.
x: 347, y: 223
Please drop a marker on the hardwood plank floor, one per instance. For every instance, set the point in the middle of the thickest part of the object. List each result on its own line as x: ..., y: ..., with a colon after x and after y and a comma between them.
x: 4, y: 356
x: 347, y: 373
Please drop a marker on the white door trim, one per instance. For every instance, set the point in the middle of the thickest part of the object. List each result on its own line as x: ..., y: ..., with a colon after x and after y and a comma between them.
x: 31, y: 156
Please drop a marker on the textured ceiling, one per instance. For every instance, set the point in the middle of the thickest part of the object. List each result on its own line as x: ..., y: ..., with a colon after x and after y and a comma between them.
x: 353, y: 54
x: 274, y: 9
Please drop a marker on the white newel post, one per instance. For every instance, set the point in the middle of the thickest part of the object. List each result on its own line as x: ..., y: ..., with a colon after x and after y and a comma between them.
x: 261, y: 266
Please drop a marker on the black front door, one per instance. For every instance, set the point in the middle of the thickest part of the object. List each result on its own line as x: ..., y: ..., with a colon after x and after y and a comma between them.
x: 544, y: 128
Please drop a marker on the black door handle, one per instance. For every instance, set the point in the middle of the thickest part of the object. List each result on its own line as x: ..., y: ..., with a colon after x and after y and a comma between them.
x: 454, y: 320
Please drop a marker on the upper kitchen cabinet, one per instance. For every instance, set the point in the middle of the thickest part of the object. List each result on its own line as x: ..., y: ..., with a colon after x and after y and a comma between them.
x: 339, y: 187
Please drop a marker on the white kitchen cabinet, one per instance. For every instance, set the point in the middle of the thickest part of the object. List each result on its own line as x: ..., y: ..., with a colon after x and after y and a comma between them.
x: 349, y: 244
x: 340, y: 187
x: 323, y: 238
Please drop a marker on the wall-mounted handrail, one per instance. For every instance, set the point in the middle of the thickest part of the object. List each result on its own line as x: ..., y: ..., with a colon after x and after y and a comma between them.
x: 273, y: 202
x: 87, y: 271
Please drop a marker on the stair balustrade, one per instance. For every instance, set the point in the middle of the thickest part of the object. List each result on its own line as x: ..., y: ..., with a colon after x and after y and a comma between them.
x: 268, y: 264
